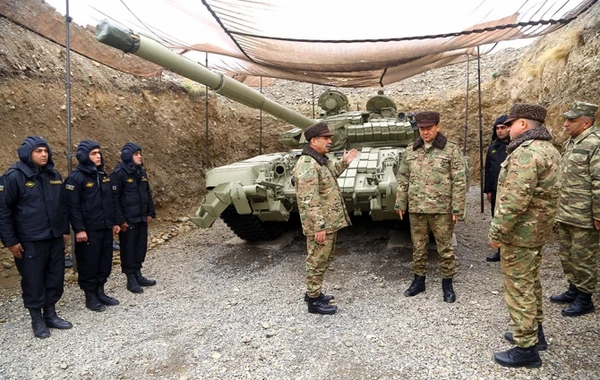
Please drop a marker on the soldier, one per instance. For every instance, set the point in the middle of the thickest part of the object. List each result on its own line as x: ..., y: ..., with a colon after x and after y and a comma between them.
x: 432, y: 186
x: 322, y: 210
x: 134, y: 209
x: 578, y: 216
x: 527, y: 202
x: 495, y: 156
x: 91, y: 212
x: 33, y: 220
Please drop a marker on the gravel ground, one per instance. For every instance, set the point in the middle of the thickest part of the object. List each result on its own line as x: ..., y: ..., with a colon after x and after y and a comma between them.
x: 224, y: 311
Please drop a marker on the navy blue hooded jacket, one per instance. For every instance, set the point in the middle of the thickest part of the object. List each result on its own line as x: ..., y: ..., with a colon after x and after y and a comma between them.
x: 34, y: 206
x: 496, y: 155
x: 132, y: 195
x: 89, y: 192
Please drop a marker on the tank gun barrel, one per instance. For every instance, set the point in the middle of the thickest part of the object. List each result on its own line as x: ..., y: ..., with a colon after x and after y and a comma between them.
x: 151, y: 50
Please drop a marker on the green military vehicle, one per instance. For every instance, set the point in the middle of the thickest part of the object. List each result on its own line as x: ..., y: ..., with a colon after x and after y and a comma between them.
x: 256, y: 197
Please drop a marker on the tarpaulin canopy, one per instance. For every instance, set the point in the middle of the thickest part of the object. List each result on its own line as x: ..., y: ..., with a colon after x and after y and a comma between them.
x: 334, y: 43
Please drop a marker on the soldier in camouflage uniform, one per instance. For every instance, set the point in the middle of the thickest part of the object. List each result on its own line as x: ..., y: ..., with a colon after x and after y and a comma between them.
x: 432, y: 187
x: 322, y: 210
x: 527, y: 200
x: 578, y: 216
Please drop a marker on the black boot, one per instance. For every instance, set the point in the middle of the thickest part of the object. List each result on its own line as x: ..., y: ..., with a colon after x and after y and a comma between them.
x: 326, y: 298
x: 53, y: 320
x: 566, y: 297
x: 519, y: 357
x: 38, y: 324
x: 417, y: 286
x: 105, y: 299
x: 541, y: 345
x: 143, y: 281
x: 494, y: 257
x: 92, y: 302
x: 320, y: 306
x: 132, y: 284
x: 582, y: 305
x: 449, y: 295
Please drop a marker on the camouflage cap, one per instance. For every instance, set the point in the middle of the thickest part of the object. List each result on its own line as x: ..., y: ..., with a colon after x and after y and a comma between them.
x: 526, y: 111
x: 316, y: 130
x: 581, y: 109
x: 427, y: 118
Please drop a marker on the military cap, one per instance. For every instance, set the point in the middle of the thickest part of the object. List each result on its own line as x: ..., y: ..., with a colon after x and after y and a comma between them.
x: 317, y: 130
x: 581, y: 109
x: 500, y: 120
x: 526, y: 111
x: 427, y: 118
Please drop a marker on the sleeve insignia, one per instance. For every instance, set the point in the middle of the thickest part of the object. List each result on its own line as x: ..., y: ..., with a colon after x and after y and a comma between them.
x: 89, y: 184
x: 30, y: 184
x: 70, y: 187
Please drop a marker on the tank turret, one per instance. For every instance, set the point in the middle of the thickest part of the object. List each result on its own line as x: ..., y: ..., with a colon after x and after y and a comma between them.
x: 256, y: 197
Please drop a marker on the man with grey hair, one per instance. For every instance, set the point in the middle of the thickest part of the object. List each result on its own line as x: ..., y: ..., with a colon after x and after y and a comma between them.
x: 578, y: 216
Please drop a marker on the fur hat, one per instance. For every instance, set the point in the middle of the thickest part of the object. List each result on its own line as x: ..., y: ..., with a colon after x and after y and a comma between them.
x: 316, y: 130
x: 526, y: 111
x: 427, y: 118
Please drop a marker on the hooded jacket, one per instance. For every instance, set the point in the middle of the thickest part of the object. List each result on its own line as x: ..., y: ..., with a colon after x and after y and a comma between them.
x: 132, y: 195
x: 34, y: 206
x: 496, y: 154
x: 89, y: 192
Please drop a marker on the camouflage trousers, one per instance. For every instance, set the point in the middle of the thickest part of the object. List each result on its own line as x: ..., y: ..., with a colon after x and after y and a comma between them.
x: 578, y: 251
x: 442, y: 226
x: 317, y: 261
x: 523, y: 290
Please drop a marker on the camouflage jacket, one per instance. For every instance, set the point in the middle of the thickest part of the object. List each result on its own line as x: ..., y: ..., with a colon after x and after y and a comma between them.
x: 579, y: 202
x: 319, y: 198
x: 528, y: 189
x: 432, y: 181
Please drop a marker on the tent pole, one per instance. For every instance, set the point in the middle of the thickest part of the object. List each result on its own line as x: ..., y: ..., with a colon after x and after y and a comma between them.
x: 313, y: 99
x: 481, y: 167
x: 206, y: 116
x: 261, y: 124
x: 68, y: 107
x: 466, y: 108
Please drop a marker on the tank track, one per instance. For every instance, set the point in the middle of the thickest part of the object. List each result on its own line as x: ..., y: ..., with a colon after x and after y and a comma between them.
x: 250, y: 227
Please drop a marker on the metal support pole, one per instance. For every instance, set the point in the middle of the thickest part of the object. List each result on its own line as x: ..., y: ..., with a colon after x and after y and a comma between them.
x: 313, y: 99
x: 261, y: 125
x: 481, y: 167
x: 68, y: 107
x: 467, y: 109
x: 206, y: 117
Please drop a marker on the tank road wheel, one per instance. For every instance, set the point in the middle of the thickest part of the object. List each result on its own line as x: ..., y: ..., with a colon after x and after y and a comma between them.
x: 250, y: 227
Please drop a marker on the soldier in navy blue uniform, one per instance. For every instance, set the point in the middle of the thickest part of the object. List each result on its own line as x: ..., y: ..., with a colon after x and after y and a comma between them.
x: 496, y: 155
x: 134, y: 209
x: 91, y: 213
x: 33, y: 223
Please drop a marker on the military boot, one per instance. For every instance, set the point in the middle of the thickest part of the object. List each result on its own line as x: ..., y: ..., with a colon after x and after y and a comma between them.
x: 495, y: 257
x: 320, y: 306
x: 132, y: 284
x: 326, y: 298
x: 519, y: 357
x: 143, y: 281
x: 417, y: 286
x: 53, y: 320
x: 566, y: 297
x: 448, y: 291
x: 38, y: 324
x: 104, y: 298
x: 92, y: 302
x: 582, y: 305
x: 541, y: 345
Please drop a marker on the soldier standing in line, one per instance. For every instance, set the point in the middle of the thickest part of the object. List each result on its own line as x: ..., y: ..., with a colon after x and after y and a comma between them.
x: 528, y: 189
x: 578, y: 216
x: 134, y: 209
x: 33, y: 223
x: 91, y: 213
x: 322, y: 210
x: 432, y: 186
x: 496, y: 154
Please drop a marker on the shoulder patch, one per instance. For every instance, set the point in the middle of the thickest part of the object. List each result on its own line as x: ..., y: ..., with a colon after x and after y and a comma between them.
x: 70, y: 187
x: 30, y: 184
x: 129, y: 180
x: 89, y: 184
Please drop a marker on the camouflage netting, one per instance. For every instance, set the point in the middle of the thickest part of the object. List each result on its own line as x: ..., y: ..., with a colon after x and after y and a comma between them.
x: 365, y: 45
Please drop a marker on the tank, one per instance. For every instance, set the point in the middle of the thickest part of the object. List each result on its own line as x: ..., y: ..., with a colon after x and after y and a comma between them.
x: 256, y: 197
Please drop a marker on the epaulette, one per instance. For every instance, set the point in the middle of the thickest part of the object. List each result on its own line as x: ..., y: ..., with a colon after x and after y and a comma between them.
x: 307, y: 159
x: 527, y: 142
